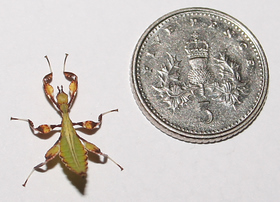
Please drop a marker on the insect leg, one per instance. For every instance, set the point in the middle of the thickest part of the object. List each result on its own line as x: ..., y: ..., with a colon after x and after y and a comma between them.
x: 91, y: 124
x: 94, y: 149
x: 48, y: 89
x: 51, y: 154
x: 73, y: 85
x: 42, y: 129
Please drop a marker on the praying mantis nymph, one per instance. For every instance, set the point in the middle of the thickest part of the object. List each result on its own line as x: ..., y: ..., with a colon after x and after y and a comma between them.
x: 71, y: 148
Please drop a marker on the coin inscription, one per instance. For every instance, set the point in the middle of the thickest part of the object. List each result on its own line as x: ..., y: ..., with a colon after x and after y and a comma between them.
x: 199, y: 75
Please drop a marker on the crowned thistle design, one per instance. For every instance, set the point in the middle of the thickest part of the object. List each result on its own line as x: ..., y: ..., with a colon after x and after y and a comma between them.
x: 200, y: 84
x: 197, y: 52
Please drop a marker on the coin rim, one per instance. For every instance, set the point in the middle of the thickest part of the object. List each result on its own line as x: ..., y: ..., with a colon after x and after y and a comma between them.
x: 186, y: 136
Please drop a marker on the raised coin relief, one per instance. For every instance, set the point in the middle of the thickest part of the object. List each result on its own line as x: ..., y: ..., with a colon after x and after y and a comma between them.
x: 199, y: 81
x: 199, y: 75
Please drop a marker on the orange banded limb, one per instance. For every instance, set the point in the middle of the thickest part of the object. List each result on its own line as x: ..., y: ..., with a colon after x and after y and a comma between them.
x: 73, y: 87
x: 48, y: 89
x: 94, y: 149
x: 93, y: 125
x: 51, y: 154
x: 41, y: 129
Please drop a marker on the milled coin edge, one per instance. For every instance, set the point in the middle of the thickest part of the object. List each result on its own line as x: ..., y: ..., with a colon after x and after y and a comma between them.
x: 184, y: 136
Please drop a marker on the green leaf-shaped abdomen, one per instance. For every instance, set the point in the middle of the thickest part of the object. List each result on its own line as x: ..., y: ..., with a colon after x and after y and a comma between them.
x: 72, y: 151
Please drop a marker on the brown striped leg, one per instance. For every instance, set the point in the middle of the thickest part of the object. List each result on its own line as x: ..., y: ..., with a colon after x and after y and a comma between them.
x: 51, y: 154
x: 93, y: 125
x: 41, y: 129
x: 94, y: 149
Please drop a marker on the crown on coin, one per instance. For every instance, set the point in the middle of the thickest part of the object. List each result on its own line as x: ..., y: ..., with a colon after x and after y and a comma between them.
x: 196, y: 48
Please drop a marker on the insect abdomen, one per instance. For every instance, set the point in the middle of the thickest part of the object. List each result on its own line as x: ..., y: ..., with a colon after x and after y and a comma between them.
x: 72, y: 151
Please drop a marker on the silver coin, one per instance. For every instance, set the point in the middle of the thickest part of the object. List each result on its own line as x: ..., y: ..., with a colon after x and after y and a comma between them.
x: 199, y: 75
